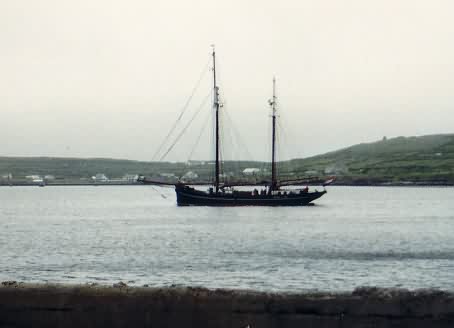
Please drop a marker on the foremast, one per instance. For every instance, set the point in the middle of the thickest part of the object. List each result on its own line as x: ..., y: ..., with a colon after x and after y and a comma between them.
x: 272, y: 102
x: 216, y: 109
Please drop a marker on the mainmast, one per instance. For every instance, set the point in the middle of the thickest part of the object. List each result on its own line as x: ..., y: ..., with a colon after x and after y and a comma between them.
x: 216, y: 108
x: 273, y: 149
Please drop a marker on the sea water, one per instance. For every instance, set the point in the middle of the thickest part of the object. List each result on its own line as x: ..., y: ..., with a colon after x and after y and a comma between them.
x: 352, y: 236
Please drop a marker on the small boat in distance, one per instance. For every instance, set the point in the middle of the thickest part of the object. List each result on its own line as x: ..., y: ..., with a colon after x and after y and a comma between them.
x: 220, y: 194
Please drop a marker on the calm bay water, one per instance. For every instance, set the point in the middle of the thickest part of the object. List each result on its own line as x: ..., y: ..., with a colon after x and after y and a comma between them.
x: 354, y: 236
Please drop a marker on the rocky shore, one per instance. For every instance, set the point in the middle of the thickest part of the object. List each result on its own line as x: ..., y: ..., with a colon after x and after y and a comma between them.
x: 46, y: 305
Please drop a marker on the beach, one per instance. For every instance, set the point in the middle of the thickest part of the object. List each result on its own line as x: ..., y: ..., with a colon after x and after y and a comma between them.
x: 52, y: 305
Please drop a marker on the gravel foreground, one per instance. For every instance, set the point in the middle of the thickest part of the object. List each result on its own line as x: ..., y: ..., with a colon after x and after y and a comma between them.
x: 91, y: 305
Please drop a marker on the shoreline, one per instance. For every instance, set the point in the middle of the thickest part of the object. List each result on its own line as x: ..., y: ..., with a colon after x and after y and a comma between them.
x: 411, y: 185
x: 59, y: 305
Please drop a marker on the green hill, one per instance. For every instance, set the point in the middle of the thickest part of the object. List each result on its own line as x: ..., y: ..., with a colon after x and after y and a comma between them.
x: 426, y: 159
x: 402, y: 160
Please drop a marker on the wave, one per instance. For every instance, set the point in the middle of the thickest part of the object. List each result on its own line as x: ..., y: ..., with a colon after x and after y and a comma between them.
x: 355, y: 255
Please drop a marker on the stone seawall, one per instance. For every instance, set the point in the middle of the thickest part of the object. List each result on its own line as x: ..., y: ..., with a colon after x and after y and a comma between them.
x: 27, y: 305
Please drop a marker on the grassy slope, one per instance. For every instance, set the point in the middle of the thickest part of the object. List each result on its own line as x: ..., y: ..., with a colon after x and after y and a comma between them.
x: 427, y: 158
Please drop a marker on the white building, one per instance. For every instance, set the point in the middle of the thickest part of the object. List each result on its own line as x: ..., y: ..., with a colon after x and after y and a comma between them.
x: 33, y: 177
x: 251, y: 171
x: 190, y: 175
x: 336, y: 169
x: 100, y: 177
x: 167, y: 175
x: 130, y: 177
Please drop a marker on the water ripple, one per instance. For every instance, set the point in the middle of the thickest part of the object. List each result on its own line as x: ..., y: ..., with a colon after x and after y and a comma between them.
x: 355, y: 236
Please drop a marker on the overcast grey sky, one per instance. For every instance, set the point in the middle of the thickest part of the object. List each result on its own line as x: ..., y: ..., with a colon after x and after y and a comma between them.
x: 106, y: 78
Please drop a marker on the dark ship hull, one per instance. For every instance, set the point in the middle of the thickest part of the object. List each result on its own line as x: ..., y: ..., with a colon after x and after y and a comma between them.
x: 187, y: 196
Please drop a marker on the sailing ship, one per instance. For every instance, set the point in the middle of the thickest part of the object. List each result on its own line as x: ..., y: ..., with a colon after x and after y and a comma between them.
x: 221, y: 194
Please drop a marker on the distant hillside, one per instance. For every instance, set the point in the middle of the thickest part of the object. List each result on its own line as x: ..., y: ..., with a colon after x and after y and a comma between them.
x: 402, y: 160
x: 80, y: 167
x: 85, y: 168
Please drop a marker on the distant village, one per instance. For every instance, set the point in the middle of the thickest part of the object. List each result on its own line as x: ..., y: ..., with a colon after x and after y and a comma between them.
x: 99, y: 178
x: 398, y: 161
x: 190, y: 172
x: 103, y: 179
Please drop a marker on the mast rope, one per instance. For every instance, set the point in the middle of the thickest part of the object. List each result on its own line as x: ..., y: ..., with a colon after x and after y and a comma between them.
x: 183, y: 110
x: 186, y: 126
x: 199, y: 136
x: 237, y: 135
x: 286, y: 136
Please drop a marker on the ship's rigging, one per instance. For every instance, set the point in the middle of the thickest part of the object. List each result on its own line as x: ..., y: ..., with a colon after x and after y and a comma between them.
x: 188, y: 116
x: 222, y: 193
